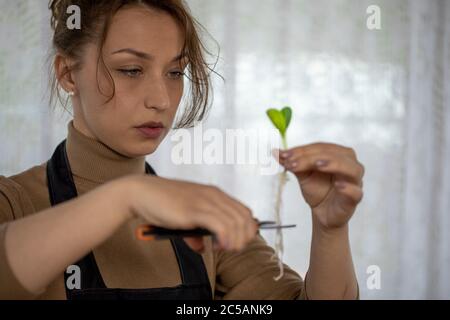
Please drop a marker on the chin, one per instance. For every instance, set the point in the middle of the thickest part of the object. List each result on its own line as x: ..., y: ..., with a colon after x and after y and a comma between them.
x: 141, y: 149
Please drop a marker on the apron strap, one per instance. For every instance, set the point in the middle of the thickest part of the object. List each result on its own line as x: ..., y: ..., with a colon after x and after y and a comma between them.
x: 186, y: 257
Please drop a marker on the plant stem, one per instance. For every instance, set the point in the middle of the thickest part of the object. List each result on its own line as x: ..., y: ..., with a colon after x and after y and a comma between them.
x: 284, y: 141
x: 279, y: 248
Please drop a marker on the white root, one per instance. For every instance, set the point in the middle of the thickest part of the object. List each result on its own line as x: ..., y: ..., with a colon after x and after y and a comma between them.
x: 282, y: 179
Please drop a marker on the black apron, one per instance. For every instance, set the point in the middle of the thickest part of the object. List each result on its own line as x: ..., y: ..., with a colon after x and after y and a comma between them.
x: 195, y: 282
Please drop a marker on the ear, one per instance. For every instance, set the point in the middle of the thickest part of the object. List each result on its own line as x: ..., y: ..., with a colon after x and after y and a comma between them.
x: 63, y: 72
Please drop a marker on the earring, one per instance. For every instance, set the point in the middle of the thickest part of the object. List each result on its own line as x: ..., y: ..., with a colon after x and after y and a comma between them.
x: 71, y: 93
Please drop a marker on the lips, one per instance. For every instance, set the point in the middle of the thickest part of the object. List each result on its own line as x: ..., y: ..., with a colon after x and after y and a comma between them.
x: 151, y: 129
x: 151, y: 124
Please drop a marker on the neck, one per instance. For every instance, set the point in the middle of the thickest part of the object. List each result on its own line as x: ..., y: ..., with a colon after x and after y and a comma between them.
x: 93, y: 160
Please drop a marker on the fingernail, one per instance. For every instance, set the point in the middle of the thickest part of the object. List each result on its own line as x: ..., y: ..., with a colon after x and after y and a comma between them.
x: 226, y: 245
x: 340, y: 184
x: 291, y: 165
x: 285, y: 154
x: 322, y: 163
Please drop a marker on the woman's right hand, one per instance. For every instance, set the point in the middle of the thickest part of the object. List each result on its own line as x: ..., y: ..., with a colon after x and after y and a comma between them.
x: 176, y: 204
x: 40, y: 246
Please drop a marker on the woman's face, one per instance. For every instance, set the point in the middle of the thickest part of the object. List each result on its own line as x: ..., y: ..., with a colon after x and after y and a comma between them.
x: 142, y: 52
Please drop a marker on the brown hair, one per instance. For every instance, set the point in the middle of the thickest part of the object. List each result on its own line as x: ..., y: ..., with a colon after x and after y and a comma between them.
x: 96, y: 16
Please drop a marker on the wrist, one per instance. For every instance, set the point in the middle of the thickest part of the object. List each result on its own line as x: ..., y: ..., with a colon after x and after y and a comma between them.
x: 328, y: 232
x: 132, y: 189
x: 120, y: 194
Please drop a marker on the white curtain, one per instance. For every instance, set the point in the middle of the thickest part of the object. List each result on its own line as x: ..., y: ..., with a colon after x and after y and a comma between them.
x: 383, y: 92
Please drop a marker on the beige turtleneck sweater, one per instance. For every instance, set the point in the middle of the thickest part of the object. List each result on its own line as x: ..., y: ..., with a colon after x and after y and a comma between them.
x: 125, y: 262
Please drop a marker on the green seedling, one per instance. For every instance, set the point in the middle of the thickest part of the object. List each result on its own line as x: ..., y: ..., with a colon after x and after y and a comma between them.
x: 281, y: 120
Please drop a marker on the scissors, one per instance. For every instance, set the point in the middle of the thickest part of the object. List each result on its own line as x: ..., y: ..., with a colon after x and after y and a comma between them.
x: 149, y: 233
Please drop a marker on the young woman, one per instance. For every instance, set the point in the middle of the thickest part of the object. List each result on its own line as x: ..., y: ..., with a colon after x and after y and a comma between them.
x: 124, y: 73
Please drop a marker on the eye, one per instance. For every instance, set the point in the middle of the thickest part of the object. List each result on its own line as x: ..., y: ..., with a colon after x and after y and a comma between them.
x: 176, y: 74
x: 132, y: 73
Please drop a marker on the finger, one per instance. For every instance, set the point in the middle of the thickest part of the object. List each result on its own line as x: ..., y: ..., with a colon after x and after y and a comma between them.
x: 236, y: 215
x: 319, y: 147
x: 236, y: 225
x: 213, y: 219
x: 350, y: 169
x: 226, y: 212
x: 222, y: 214
x: 195, y: 243
x: 289, y: 155
x: 284, y: 157
x: 352, y: 192
x: 337, y: 164
x: 250, y: 224
x: 244, y: 211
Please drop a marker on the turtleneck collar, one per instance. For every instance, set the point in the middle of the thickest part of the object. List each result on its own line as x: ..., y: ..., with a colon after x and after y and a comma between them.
x: 94, y: 161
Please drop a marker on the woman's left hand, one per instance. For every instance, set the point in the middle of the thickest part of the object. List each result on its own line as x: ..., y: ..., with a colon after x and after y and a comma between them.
x: 330, y: 179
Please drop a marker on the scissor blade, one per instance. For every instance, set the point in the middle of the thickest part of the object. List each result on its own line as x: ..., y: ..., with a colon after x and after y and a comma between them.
x: 277, y: 226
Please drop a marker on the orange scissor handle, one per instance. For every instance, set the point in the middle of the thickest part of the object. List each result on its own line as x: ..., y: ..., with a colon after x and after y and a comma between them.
x: 141, y: 233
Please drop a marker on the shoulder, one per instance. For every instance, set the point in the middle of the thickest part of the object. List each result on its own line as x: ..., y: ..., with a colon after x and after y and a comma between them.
x: 23, y: 193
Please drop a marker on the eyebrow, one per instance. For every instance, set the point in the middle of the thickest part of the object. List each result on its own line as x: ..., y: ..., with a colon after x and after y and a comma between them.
x: 144, y: 55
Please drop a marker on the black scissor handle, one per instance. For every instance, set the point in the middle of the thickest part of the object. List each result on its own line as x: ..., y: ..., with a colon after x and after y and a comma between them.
x: 148, y: 233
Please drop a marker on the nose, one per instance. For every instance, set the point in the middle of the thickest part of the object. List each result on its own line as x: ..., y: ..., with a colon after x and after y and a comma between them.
x: 157, y: 96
